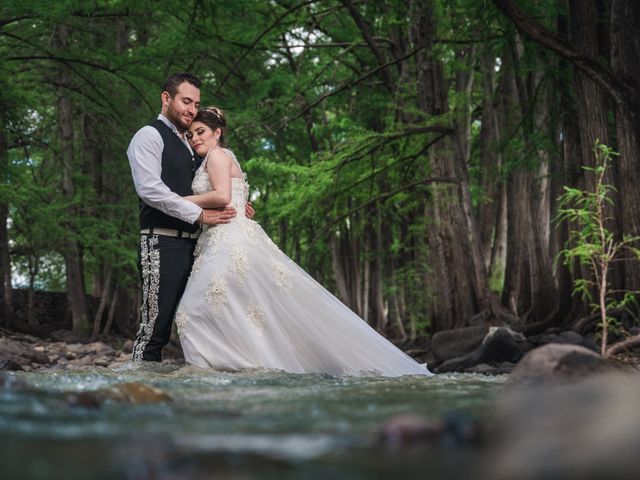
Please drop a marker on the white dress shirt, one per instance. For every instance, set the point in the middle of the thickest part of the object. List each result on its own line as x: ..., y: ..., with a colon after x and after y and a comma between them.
x: 145, y: 159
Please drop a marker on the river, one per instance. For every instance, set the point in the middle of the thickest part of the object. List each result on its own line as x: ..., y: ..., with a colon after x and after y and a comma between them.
x: 260, y: 424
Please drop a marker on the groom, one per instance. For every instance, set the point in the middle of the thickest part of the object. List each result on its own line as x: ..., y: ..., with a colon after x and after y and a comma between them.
x: 163, y: 166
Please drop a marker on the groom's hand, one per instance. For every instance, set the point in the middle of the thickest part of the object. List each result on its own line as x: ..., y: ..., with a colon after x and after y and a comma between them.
x: 214, y: 216
x: 249, y: 211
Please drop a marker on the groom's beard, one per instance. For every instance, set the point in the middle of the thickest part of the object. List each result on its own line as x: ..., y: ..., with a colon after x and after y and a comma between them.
x: 177, y: 119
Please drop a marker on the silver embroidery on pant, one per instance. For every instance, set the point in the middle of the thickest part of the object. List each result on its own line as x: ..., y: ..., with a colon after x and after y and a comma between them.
x: 150, y: 262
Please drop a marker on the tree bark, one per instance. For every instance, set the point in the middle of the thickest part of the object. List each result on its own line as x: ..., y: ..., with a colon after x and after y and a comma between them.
x: 529, y: 285
x: 338, y: 270
x: 72, y: 250
x: 490, y: 161
x: 625, y: 61
x: 458, y: 281
x: 111, y: 313
x: 104, y: 300
x: 5, y: 260
x: 379, y: 316
x: 33, y: 273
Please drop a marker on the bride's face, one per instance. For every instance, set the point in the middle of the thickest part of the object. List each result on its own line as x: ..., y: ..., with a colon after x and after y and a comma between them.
x: 202, y: 138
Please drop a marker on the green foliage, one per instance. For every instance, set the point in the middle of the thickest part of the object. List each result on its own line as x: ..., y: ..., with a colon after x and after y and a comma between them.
x: 327, y: 145
x: 592, y: 244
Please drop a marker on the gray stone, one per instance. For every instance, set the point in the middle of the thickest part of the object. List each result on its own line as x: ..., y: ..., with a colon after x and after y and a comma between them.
x: 449, y: 344
x: 570, y: 337
x: 584, y: 431
x: 127, y: 347
x: 485, y: 369
x: 500, y: 346
x: 406, y: 429
x: 17, y: 350
x: 99, y: 347
x: 8, y: 362
x: 556, y: 362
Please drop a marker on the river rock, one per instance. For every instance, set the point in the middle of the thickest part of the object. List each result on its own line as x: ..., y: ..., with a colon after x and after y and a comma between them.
x: 500, y: 345
x: 76, y: 348
x: 408, y: 429
x: 85, y: 361
x: 127, y: 347
x: 584, y: 431
x: 20, y: 352
x: 92, y: 400
x: 571, y: 338
x: 454, y: 429
x: 99, y: 348
x: 558, y: 363
x: 102, y: 361
x: 8, y: 362
x: 136, y: 393
x: 66, y: 336
x: 486, y: 369
x: 449, y: 344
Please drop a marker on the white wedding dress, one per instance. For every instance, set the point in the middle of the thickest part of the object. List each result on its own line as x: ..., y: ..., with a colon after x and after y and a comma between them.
x: 247, y: 305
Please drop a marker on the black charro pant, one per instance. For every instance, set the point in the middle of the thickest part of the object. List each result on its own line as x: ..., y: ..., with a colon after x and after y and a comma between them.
x: 164, y: 264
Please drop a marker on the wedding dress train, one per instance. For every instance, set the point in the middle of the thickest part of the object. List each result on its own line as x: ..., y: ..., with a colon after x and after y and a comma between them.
x: 248, y: 305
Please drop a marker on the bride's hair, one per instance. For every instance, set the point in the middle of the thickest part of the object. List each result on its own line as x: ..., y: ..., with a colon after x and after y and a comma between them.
x: 214, y: 118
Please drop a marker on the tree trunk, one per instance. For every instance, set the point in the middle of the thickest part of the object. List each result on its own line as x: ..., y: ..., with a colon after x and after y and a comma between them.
x: 529, y: 288
x: 104, y: 299
x: 379, y: 317
x: 625, y: 61
x: 112, y: 312
x: 366, y: 277
x: 457, y: 281
x: 338, y: 270
x: 5, y: 261
x: 72, y: 250
x: 356, y: 262
x: 490, y: 161
x: 566, y: 173
x: 33, y: 273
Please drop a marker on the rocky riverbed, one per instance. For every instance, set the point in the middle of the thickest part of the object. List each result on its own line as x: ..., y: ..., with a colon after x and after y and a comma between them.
x: 66, y: 350
x: 488, y: 351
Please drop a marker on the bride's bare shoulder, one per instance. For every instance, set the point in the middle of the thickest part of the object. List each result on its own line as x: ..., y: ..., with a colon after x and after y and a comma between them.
x: 218, y: 156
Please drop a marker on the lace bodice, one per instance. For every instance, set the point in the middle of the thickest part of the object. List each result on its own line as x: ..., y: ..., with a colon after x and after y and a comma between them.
x: 239, y: 185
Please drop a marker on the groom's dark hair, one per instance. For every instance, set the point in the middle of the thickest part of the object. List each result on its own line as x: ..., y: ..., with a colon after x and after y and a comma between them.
x: 173, y: 82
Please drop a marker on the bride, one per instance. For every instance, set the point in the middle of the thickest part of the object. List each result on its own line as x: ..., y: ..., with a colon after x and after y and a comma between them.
x: 248, y: 305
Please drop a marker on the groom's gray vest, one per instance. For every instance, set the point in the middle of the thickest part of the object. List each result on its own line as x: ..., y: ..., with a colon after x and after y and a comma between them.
x: 178, y: 168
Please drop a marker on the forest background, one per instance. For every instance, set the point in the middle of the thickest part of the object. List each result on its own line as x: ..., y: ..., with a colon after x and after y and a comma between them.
x: 408, y: 153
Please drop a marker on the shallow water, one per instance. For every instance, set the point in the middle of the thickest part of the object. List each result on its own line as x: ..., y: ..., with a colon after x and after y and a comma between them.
x: 228, y: 425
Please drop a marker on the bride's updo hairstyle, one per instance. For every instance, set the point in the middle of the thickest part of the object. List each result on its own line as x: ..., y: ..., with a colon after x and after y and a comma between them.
x: 214, y: 118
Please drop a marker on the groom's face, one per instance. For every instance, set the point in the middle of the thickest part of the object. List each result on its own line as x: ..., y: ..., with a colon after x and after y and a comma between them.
x: 181, y: 109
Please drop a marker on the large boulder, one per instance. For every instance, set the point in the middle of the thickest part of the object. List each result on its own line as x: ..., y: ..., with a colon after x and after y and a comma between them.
x: 571, y: 338
x: 558, y: 363
x: 584, y: 431
x: 449, y: 344
x: 500, y: 345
